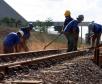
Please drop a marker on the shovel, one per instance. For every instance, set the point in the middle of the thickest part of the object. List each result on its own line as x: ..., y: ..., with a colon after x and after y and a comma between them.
x: 52, y: 41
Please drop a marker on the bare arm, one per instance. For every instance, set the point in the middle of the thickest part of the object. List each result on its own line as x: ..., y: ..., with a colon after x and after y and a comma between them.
x: 24, y: 45
x: 17, y: 48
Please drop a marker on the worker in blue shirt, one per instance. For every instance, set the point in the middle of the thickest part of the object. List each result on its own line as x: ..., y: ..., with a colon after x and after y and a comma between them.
x: 71, y: 32
x: 11, y: 42
x: 26, y: 36
x: 68, y: 18
x: 96, y: 30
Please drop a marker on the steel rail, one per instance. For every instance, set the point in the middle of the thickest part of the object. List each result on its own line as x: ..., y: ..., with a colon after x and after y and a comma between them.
x: 58, y: 57
x: 50, y: 57
x: 45, y: 52
x: 12, y: 57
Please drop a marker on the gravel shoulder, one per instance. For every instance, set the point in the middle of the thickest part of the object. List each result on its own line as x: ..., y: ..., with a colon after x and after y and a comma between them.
x: 80, y: 70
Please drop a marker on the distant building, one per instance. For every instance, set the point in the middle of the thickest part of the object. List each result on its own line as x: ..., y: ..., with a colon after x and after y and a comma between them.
x: 8, y: 11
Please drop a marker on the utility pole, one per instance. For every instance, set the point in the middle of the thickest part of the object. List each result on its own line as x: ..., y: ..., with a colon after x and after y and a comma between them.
x: 81, y: 35
x: 96, y: 55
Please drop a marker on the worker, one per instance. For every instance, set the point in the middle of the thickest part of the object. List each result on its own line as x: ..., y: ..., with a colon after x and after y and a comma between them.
x: 96, y: 30
x: 26, y: 36
x: 71, y: 32
x: 68, y: 18
x: 11, y: 42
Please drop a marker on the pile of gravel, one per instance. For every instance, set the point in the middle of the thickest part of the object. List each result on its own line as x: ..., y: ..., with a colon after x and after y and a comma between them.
x: 75, y: 72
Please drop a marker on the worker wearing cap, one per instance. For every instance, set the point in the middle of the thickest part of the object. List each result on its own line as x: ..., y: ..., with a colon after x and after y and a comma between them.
x: 96, y: 30
x: 68, y: 18
x: 26, y: 36
x: 71, y: 32
x: 11, y: 42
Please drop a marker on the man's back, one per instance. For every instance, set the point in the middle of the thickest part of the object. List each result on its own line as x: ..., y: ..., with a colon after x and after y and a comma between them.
x: 11, y: 39
x: 67, y: 20
x: 96, y: 28
x: 72, y: 25
x: 26, y: 32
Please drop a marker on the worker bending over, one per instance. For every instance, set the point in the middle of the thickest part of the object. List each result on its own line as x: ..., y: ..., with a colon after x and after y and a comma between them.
x: 96, y: 30
x: 26, y: 36
x: 71, y: 32
x: 11, y: 42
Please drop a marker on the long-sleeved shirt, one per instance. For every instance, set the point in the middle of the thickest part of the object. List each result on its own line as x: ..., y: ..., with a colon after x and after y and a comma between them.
x: 97, y: 28
x: 26, y: 32
x: 11, y: 39
x: 72, y: 25
x: 67, y: 20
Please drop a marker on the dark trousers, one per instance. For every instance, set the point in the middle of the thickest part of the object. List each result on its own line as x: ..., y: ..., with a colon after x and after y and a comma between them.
x: 76, y: 36
x: 72, y: 39
x: 95, y: 41
x: 8, y: 49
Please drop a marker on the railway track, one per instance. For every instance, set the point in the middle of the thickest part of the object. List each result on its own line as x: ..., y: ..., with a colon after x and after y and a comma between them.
x: 9, y: 59
x: 34, y: 60
x: 6, y: 58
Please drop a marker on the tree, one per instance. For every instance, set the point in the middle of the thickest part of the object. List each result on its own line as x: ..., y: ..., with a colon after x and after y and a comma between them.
x: 58, y: 28
x: 18, y: 23
x: 9, y: 21
x: 38, y: 26
x: 48, y: 23
x: 43, y: 26
x: 6, y: 21
x: 12, y: 22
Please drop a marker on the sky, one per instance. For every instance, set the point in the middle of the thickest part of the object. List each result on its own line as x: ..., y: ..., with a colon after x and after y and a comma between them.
x: 33, y: 10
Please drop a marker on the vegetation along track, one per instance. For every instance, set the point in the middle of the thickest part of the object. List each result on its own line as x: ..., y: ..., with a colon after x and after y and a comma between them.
x: 28, y: 61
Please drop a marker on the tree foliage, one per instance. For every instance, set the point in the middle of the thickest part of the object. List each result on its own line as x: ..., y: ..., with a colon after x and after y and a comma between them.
x: 9, y: 21
x: 58, y: 28
x: 43, y: 26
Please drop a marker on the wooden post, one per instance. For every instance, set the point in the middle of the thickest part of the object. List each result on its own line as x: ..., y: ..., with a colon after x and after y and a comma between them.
x: 96, y: 55
x: 81, y: 34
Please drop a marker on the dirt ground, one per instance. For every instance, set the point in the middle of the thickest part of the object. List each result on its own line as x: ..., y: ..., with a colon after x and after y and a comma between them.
x: 37, y: 42
x: 40, y: 46
x: 36, y: 46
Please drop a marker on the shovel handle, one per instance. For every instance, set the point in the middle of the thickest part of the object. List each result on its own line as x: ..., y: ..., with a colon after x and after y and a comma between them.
x: 52, y: 41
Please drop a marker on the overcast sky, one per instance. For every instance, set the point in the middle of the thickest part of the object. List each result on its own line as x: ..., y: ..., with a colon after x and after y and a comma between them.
x: 33, y: 10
